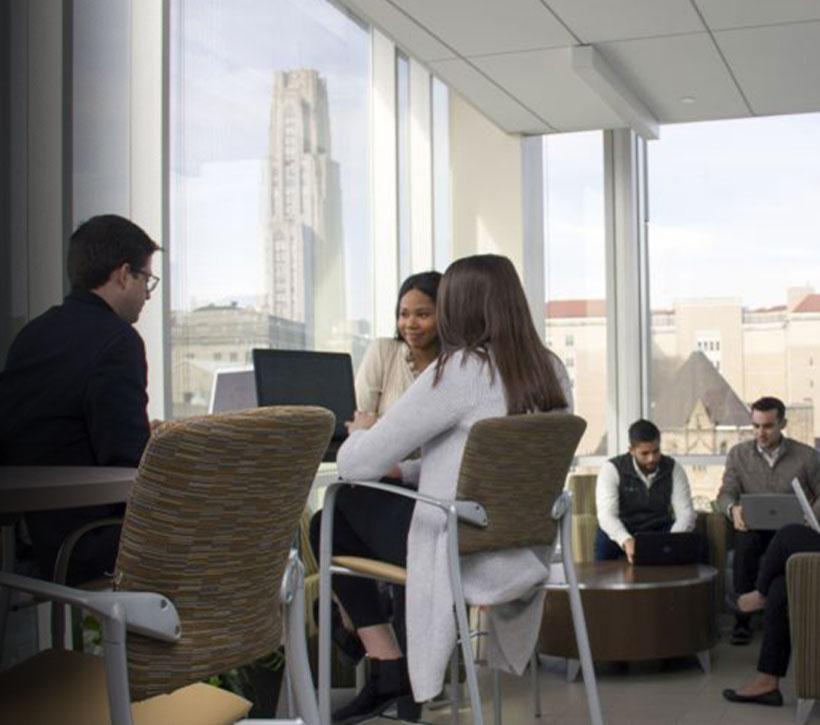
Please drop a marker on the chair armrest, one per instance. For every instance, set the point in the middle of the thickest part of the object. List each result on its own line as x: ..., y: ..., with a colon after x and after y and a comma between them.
x: 146, y: 613
x: 67, y: 547
x: 470, y: 512
x: 803, y: 584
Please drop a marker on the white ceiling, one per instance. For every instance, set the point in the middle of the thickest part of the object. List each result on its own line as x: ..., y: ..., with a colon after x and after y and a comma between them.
x: 684, y: 60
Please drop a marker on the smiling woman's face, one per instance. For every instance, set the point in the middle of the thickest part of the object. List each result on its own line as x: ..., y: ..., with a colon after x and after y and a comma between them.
x: 417, y: 320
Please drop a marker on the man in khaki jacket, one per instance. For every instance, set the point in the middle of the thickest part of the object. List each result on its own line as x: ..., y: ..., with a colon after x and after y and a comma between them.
x: 765, y: 464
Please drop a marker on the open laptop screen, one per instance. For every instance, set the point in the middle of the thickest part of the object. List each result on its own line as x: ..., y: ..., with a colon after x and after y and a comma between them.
x: 300, y: 377
x: 232, y: 390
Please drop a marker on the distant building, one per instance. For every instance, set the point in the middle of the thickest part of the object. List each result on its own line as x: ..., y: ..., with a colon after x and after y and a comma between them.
x: 218, y: 337
x: 710, y: 359
x: 302, y: 273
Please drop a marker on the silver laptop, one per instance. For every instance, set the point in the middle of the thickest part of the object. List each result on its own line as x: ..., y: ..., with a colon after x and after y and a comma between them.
x: 808, y: 511
x: 771, y: 511
x: 233, y: 390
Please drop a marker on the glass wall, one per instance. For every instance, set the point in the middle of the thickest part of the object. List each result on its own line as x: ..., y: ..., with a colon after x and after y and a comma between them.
x: 442, y: 222
x: 269, y: 185
x: 575, y: 274
x: 734, y: 270
x: 403, y: 162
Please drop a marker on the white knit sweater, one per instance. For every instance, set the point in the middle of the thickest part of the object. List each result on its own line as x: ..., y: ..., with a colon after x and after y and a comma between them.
x: 438, y: 420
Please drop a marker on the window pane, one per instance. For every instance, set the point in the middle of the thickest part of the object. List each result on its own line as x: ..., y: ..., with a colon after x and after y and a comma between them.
x: 442, y: 224
x: 403, y: 165
x: 576, y: 274
x: 270, y: 213
x: 733, y: 270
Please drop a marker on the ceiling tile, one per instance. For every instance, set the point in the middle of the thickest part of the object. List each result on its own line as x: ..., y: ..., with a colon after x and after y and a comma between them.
x: 596, y: 21
x: 724, y: 14
x: 545, y: 82
x: 488, y: 98
x: 778, y: 67
x: 476, y: 27
x: 662, y: 71
x: 403, y: 30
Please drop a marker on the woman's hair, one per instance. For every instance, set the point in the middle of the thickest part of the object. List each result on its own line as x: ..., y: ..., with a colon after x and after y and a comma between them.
x: 425, y: 282
x: 482, y: 308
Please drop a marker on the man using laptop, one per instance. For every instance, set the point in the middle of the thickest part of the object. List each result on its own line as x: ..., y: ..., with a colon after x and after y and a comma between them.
x: 641, y: 490
x: 765, y: 464
x: 73, y: 391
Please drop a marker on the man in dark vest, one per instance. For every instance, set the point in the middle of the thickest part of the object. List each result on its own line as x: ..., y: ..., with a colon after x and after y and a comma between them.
x: 641, y: 490
x: 73, y: 391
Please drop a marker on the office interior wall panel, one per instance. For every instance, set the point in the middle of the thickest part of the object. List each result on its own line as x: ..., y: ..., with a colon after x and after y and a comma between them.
x: 486, y: 178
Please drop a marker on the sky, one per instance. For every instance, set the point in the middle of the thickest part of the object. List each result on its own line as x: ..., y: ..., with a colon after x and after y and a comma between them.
x: 734, y: 206
x: 734, y: 211
x: 223, y: 60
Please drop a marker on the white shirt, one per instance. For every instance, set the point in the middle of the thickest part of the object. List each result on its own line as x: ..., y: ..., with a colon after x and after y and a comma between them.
x: 770, y: 456
x: 606, y: 500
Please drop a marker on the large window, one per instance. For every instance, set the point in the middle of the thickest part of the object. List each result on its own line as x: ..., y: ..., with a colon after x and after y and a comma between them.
x: 734, y: 269
x: 269, y: 191
x: 575, y: 276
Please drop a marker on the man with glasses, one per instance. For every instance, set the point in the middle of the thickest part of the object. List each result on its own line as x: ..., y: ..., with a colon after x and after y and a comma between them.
x: 73, y: 391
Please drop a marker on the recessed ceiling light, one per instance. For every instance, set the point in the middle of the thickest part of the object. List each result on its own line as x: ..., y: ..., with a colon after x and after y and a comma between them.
x: 687, y: 100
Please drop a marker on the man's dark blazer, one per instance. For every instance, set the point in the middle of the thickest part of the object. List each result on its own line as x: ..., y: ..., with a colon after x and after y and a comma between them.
x: 73, y: 392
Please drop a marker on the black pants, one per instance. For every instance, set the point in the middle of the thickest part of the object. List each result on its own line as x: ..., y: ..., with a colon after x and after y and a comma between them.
x: 750, y: 546
x: 372, y: 524
x: 775, y: 649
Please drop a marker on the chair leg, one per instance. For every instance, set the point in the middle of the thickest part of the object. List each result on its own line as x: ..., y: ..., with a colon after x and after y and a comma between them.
x: 461, y: 617
x: 296, y: 660
x: 325, y: 553
x: 496, y: 697
x: 804, y: 708
x: 535, y: 674
x: 116, y: 669
x: 455, y: 688
x: 5, y: 592
x: 579, y: 623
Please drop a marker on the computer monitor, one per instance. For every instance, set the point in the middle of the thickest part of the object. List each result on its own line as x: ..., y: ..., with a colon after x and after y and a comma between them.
x: 232, y: 390
x: 299, y: 377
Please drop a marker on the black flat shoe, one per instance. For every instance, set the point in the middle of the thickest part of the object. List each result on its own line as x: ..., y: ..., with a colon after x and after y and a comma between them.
x: 773, y: 698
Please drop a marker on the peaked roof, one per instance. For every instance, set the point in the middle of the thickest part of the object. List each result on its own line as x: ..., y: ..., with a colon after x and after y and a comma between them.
x: 810, y: 303
x: 697, y: 379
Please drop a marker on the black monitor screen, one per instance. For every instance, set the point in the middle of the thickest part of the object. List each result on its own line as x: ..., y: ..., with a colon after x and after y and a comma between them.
x: 298, y: 377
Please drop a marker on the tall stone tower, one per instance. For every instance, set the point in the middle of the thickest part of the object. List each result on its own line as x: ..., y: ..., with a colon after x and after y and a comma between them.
x: 302, y: 249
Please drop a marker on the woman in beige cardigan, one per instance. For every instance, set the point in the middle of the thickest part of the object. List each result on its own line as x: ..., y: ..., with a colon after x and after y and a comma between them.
x: 391, y: 364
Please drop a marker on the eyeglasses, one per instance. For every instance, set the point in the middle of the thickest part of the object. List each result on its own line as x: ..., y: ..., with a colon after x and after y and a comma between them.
x: 151, y: 280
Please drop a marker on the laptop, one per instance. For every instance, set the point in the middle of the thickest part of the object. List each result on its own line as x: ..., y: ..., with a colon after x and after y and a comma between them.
x: 233, y: 390
x: 301, y: 377
x: 770, y: 511
x: 805, y: 506
x: 661, y: 548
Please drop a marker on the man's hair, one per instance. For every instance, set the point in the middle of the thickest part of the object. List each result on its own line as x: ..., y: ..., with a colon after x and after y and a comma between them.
x: 101, y: 245
x: 643, y: 431
x: 767, y: 403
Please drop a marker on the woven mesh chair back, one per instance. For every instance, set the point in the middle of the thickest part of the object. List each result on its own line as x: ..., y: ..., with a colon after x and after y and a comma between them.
x: 214, y: 509
x: 515, y: 467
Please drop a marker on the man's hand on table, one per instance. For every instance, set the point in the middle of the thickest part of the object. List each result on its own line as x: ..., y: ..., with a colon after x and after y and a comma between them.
x: 629, y: 549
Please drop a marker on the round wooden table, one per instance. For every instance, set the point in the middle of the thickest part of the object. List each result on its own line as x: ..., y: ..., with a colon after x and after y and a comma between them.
x: 635, y: 613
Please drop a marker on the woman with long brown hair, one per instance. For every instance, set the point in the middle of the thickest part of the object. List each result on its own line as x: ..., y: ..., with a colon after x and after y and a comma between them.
x: 492, y: 363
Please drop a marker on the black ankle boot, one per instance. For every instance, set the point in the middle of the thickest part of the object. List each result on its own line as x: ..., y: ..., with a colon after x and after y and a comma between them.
x: 388, y: 684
